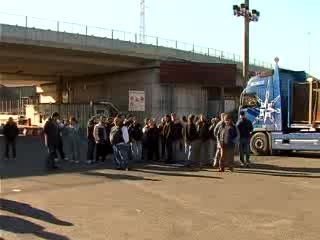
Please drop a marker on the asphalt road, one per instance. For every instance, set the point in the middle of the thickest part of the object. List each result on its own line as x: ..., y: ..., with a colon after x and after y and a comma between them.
x: 278, y: 198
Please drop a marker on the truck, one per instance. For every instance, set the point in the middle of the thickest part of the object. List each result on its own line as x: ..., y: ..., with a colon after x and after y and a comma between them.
x: 284, y: 108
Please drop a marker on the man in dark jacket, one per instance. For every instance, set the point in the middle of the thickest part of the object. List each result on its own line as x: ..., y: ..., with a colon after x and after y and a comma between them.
x: 135, y: 134
x: 177, y: 138
x: 162, y: 139
x: 203, y: 130
x: 192, y: 143
x: 91, y: 140
x: 167, y: 134
x: 227, y: 135
x: 10, y: 132
x: 52, y: 137
x: 153, y: 136
x: 245, y: 129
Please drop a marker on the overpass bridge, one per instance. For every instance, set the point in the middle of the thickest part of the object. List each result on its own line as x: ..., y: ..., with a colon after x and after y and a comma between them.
x: 78, y: 57
x: 54, y: 47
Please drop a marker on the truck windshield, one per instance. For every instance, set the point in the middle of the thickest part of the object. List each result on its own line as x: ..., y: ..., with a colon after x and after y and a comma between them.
x: 249, y: 100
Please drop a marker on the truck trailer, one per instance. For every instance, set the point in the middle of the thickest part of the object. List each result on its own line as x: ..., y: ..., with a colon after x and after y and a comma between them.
x: 284, y: 107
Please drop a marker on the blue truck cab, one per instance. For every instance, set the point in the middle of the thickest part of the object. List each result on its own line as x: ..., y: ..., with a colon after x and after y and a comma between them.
x: 283, y: 107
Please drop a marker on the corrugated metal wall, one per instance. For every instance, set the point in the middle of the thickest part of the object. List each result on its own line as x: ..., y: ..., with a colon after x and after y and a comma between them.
x: 181, y: 99
x: 81, y: 112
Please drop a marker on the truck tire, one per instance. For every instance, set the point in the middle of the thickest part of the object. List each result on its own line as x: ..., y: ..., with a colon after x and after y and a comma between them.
x: 259, y: 144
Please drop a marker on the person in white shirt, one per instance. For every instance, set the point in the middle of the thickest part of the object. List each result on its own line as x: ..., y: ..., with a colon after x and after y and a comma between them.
x: 119, y: 138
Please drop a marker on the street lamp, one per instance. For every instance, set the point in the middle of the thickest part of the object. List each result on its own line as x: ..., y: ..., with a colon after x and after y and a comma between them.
x: 249, y: 16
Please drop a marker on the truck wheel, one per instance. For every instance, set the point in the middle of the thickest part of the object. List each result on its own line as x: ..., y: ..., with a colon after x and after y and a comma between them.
x: 259, y: 144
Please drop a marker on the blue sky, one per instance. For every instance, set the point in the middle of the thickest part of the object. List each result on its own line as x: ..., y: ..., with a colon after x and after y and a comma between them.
x: 281, y: 31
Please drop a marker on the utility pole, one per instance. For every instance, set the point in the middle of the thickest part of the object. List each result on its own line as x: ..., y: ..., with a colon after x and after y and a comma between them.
x: 142, y: 21
x: 246, y: 46
x: 249, y: 16
x: 309, y: 36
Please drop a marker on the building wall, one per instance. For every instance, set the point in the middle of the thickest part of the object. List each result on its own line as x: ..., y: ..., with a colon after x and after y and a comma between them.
x: 160, y: 98
x: 115, y: 88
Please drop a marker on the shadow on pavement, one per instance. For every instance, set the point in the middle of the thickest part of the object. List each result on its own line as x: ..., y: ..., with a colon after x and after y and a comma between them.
x: 27, y: 210
x: 22, y: 226
x: 274, y: 170
x: 169, y: 170
x: 119, y: 176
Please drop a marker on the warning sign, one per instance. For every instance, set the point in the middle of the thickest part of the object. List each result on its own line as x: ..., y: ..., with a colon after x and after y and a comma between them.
x: 136, y: 101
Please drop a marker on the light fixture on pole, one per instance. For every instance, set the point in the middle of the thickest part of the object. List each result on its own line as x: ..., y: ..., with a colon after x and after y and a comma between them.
x: 249, y: 16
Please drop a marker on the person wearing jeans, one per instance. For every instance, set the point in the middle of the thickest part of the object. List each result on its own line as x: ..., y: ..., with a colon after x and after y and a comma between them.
x: 10, y: 132
x: 227, y: 135
x: 135, y: 133
x: 51, y: 137
x: 192, y: 142
x: 245, y: 129
x: 119, y: 138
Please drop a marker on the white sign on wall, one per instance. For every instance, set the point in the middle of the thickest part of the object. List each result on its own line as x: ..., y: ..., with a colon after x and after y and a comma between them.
x: 136, y: 101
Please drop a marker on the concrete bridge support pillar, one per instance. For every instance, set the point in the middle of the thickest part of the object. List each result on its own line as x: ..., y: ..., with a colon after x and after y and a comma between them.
x: 222, y: 100
x: 59, y: 90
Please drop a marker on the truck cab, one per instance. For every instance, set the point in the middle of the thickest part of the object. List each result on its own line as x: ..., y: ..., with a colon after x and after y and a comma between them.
x: 271, y: 102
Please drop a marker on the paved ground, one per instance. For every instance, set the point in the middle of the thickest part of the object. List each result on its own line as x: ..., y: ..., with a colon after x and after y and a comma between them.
x: 276, y: 199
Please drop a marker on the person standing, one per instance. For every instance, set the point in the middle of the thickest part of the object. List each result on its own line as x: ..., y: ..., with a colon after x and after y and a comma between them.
x: 218, y: 154
x: 168, y: 137
x: 245, y: 129
x: 144, y: 139
x: 61, y: 146
x: 74, y: 137
x: 213, y: 140
x: 52, y: 139
x: 135, y: 134
x: 119, y: 138
x: 177, y: 138
x: 203, y: 130
x: 162, y: 139
x: 91, y: 140
x: 192, y: 143
x: 227, y: 135
x: 10, y: 132
x: 153, y: 141
x: 109, y: 125
x: 100, y: 136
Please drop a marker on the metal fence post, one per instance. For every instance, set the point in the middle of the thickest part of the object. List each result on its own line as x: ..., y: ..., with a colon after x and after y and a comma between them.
x: 234, y: 58
x: 157, y: 41
x: 193, y: 48
x: 112, y: 34
x: 58, y: 26
x: 26, y: 21
x: 208, y: 51
x: 176, y: 44
x: 86, y: 30
x: 135, y: 38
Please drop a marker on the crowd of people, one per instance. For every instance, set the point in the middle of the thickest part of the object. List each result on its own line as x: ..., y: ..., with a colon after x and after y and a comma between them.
x: 193, y: 140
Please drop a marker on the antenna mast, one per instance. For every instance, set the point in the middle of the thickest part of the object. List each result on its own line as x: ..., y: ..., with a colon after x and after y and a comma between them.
x: 142, y: 21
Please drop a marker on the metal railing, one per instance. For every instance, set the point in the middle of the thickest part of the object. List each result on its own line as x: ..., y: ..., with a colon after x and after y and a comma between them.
x: 16, y: 106
x: 75, y: 28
